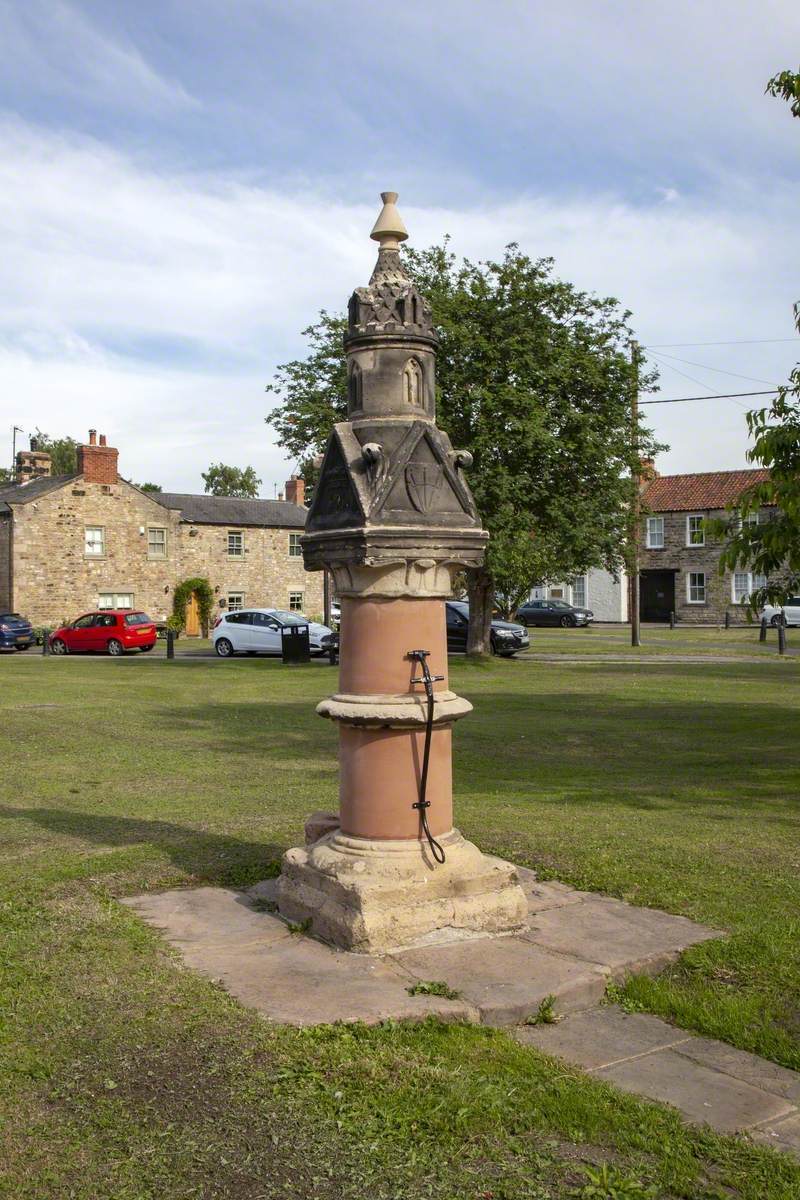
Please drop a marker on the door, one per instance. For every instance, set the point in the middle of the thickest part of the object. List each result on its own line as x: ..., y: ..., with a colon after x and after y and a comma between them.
x: 192, y: 617
x: 79, y: 637
x: 791, y: 610
x: 457, y: 627
x: 265, y: 634
x: 102, y: 631
x: 656, y: 595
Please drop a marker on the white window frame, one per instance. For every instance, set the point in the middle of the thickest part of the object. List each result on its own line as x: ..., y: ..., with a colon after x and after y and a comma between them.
x: 151, y: 553
x: 235, y: 533
x: 701, y: 530
x: 753, y: 582
x: 235, y: 601
x: 296, y: 607
x: 115, y: 598
x: 650, y: 542
x: 577, y: 581
x: 295, y: 549
x: 101, y: 529
x: 689, y: 585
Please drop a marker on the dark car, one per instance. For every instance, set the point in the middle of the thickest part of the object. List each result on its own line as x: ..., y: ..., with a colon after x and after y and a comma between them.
x: 507, y: 637
x: 16, y: 633
x: 553, y: 612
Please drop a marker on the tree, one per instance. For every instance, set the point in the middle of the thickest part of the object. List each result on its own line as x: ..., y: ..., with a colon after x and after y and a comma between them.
x: 221, y: 480
x: 534, y: 380
x: 771, y: 549
x: 6, y: 476
x: 63, y: 452
x: 150, y: 487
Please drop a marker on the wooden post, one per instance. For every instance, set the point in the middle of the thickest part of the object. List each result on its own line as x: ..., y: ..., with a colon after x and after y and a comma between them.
x: 782, y: 637
x: 762, y: 633
x: 636, y: 639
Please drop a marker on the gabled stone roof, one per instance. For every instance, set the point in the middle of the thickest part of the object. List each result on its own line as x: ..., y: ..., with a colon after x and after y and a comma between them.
x: 230, y: 510
x: 23, y: 493
x: 706, y: 490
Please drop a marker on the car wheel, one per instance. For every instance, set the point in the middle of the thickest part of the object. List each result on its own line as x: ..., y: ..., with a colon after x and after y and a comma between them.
x: 21, y: 648
x: 115, y: 647
x: 58, y: 647
x: 224, y: 648
x: 567, y: 622
x: 776, y: 620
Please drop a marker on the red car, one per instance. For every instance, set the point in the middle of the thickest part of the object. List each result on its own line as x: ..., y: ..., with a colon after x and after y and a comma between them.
x: 106, y: 631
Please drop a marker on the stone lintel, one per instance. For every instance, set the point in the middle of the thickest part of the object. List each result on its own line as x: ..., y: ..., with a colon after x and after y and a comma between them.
x: 381, y: 711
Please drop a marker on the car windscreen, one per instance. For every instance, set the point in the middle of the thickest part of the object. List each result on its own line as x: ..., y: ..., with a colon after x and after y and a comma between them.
x: 559, y: 604
x: 460, y: 607
x: 289, y: 618
x: 12, y: 617
x: 137, y: 619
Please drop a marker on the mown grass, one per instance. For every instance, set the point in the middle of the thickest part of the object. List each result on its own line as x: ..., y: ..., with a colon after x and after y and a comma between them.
x: 127, y: 1077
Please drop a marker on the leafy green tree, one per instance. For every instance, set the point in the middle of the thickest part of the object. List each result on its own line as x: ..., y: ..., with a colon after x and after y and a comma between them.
x: 149, y: 487
x: 221, y: 480
x: 63, y: 452
x: 6, y: 476
x: 535, y: 381
x: 772, y: 548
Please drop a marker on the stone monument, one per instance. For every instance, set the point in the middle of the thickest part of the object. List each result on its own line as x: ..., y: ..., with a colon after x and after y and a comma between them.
x: 393, y: 521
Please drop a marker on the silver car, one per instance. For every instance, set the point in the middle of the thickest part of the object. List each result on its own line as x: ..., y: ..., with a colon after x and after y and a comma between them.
x: 258, y: 631
x: 790, y: 610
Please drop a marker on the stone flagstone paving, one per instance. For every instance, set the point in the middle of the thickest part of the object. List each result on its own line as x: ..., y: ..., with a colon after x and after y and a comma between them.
x: 574, y: 944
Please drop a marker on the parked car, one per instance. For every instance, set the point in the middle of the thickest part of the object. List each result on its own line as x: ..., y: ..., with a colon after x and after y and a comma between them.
x: 16, y: 633
x: 789, y: 612
x: 553, y: 612
x: 258, y: 631
x: 506, y: 636
x: 106, y: 632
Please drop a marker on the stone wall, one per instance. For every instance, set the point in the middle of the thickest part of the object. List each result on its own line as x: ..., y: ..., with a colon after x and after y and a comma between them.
x: 5, y: 562
x: 55, y: 580
x: 686, y: 559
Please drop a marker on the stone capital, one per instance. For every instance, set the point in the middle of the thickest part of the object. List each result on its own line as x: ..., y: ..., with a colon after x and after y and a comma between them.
x: 398, y: 712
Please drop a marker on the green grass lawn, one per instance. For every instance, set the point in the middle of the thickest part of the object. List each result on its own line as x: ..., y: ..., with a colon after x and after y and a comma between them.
x: 125, y: 1077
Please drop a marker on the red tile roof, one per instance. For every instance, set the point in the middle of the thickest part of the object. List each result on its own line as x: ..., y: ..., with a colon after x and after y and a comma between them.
x: 695, y: 493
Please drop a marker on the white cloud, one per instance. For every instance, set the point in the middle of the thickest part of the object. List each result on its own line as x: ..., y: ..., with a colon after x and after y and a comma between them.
x: 109, y: 268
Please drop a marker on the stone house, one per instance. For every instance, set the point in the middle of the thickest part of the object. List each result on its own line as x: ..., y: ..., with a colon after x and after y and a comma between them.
x: 605, y: 594
x: 71, y: 543
x: 679, y: 557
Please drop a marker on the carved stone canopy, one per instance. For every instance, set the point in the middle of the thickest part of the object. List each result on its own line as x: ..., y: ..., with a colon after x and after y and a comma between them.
x: 392, y: 513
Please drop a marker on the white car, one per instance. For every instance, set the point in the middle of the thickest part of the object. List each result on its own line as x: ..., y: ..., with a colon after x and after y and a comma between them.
x: 258, y: 631
x: 790, y: 610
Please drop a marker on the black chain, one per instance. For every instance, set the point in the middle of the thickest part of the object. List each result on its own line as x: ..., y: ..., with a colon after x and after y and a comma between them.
x: 422, y: 805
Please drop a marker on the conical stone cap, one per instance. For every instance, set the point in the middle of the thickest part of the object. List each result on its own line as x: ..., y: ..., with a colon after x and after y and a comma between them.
x: 389, y: 229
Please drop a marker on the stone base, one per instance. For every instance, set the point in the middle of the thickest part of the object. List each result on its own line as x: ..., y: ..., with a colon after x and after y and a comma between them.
x: 376, y: 896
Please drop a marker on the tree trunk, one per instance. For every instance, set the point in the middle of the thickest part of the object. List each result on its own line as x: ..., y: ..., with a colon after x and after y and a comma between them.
x: 480, y: 594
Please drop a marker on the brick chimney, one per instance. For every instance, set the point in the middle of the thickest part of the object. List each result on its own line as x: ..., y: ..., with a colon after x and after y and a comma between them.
x: 296, y: 490
x: 97, y: 464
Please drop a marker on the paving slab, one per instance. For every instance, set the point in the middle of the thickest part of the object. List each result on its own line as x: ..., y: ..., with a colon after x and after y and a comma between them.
x: 703, y: 1095
x: 781, y: 1135
x: 207, y: 916
x: 544, y: 894
x: 624, y: 939
x: 602, y: 1037
x: 507, y: 978
x: 760, y: 1072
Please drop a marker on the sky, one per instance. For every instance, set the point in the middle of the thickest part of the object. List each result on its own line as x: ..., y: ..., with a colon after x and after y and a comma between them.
x: 184, y: 184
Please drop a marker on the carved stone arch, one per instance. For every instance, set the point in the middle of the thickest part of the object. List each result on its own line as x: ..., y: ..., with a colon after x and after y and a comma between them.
x: 356, y: 387
x: 414, y: 384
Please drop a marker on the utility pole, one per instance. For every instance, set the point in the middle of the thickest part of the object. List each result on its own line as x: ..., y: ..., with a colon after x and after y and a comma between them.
x: 636, y: 471
x: 15, y: 429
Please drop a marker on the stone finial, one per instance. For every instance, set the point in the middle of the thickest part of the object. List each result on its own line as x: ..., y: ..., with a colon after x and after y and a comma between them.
x: 389, y: 229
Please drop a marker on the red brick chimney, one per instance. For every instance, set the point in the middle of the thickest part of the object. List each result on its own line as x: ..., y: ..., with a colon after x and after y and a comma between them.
x: 97, y: 464
x: 296, y: 490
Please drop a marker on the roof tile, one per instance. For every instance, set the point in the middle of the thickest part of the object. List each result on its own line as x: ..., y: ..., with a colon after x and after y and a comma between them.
x: 690, y: 493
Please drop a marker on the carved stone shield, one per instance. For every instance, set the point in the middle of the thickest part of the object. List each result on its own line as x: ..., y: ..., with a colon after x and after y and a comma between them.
x: 423, y: 481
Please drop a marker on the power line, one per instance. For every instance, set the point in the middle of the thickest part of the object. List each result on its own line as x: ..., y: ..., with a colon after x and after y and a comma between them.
x: 720, y: 396
x: 736, y: 342
x: 704, y: 367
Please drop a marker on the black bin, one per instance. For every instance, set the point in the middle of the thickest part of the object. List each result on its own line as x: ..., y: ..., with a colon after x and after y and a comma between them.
x: 295, y: 644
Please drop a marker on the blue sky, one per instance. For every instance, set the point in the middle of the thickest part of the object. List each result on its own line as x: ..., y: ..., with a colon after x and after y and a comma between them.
x: 185, y: 184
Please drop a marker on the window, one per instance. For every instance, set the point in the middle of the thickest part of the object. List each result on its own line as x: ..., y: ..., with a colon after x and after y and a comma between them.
x: 295, y: 601
x: 94, y: 541
x: 235, y: 543
x: 240, y: 618
x: 295, y: 549
x: 556, y: 593
x: 655, y: 533
x: 413, y: 383
x: 115, y: 600
x: 752, y: 518
x: 695, y: 530
x: 696, y: 587
x: 744, y: 584
x: 355, y: 384
x: 579, y: 591
x: 156, y: 543
x: 235, y: 601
